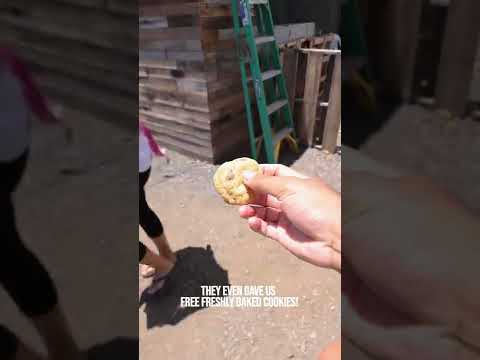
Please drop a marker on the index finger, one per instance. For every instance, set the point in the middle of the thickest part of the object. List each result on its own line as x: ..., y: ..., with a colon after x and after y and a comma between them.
x: 266, y: 200
x: 280, y: 170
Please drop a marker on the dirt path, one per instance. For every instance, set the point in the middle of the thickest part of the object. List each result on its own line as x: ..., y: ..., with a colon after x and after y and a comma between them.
x: 194, y: 218
x: 79, y: 226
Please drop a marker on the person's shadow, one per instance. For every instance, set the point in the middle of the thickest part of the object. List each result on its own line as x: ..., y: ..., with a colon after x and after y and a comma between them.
x: 195, y: 267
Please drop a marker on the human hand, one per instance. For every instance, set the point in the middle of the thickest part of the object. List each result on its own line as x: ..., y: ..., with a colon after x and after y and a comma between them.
x: 303, y: 214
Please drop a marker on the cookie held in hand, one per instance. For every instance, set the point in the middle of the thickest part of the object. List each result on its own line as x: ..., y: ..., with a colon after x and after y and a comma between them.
x: 228, y: 180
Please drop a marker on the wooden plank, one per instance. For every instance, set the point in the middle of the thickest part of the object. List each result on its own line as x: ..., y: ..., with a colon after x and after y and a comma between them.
x: 191, y: 8
x: 180, y: 33
x: 184, y: 147
x: 174, y: 21
x: 184, y: 101
x: 125, y: 7
x: 306, y: 125
x: 333, y: 117
x: 290, y: 67
x: 95, y: 56
x: 197, y: 66
x: 458, y: 56
x: 42, y: 60
x: 195, y: 136
x: 216, y: 23
x: 230, y: 138
x: 23, y: 4
x: 215, y: 11
x: 183, y: 116
x: 410, y: 44
x: 173, y: 74
x: 69, y: 23
x: 164, y: 117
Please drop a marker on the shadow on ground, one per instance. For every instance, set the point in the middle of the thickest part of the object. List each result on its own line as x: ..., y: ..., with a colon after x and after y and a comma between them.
x: 289, y: 157
x: 118, y: 349
x: 195, y: 267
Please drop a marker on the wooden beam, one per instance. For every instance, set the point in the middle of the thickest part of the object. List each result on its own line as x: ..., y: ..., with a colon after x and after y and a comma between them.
x: 458, y: 56
x: 333, y: 118
x: 410, y: 43
x: 306, y: 127
x: 290, y: 67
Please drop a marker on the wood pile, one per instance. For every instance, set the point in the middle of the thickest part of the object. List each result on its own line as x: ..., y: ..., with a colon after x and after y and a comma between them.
x: 190, y: 84
x: 87, y: 67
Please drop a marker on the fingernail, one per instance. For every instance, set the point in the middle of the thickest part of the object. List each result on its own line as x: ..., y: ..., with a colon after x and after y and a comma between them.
x: 248, y: 175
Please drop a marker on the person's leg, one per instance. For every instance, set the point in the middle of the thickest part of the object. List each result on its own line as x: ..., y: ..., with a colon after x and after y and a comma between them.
x: 13, y: 349
x: 150, y: 222
x: 163, y: 247
x: 159, y: 263
x: 26, y: 280
x: 30, y: 286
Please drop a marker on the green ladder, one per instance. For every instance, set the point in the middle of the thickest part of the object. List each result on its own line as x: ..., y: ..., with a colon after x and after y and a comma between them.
x: 269, y: 84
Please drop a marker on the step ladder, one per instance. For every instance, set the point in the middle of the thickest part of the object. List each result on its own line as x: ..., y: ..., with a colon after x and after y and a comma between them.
x: 259, y: 49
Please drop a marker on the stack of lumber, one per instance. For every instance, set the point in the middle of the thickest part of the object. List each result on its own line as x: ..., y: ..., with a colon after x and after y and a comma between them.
x: 84, y: 52
x: 190, y: 91
x: 190, y: 85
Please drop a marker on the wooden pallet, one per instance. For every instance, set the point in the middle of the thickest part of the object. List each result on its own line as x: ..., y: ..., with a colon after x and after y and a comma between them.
x: 310, y: 78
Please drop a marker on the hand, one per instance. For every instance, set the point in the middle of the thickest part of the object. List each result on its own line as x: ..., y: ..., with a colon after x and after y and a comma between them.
x: 303, y: 214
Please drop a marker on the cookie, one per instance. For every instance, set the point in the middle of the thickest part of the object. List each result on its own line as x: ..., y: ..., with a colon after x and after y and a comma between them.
x: 228, y: 180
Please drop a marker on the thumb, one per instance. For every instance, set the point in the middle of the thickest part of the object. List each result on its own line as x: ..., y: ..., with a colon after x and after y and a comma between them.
x: 277, y: 186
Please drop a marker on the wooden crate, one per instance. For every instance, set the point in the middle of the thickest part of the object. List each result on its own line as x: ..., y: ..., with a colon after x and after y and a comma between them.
x: 190, y: 84
x: 190, y: 89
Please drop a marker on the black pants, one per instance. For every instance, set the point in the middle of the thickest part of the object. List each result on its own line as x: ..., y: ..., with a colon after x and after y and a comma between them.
x: 21, y: 273
x: 149, y: 221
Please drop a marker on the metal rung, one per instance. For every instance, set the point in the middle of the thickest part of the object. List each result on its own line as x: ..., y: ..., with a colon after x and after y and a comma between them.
x: 264, y: 39
x: 277, y: 105
x: 282, y: 134
x: 270, y: 74
x: 259, y: 2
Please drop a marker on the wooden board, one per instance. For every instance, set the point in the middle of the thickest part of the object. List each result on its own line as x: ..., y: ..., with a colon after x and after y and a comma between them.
x: 333, y: 117
x: 306, y: 124
x: 290, y: 70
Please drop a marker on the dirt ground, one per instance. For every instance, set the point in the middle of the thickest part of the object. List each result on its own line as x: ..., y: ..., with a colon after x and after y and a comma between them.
x: 90, y: 248
x: 71, y: 212
x: 216, y: 247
